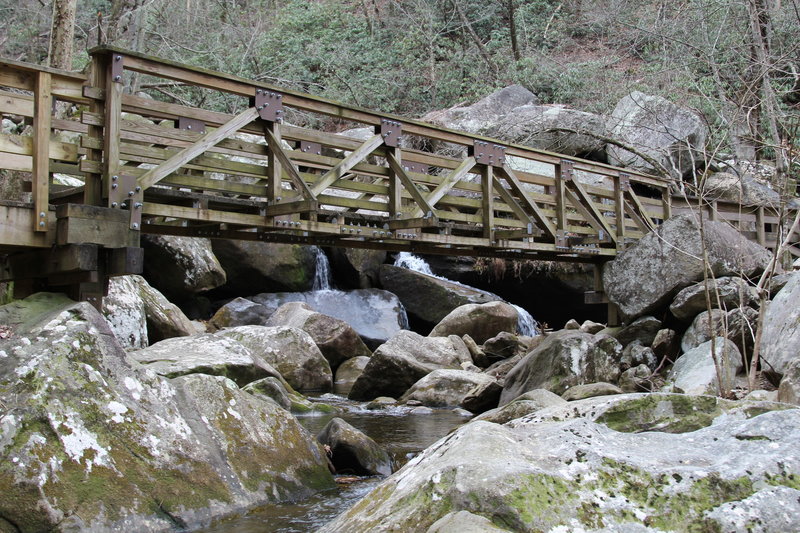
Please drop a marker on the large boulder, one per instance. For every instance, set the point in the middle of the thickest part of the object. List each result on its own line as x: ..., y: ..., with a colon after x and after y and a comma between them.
x: 240, y: 312
x: 486, y: 113
x: 696, y: 371
x: 780, y: 340
x: 353, y: 452
x: 674, y: 136
x: 564, y: 359
x: 181, y: 266
x: 446, y: 388
x: 645, y: 277
x: 254, y: 266
x: 789, y: 389
x: 522, y: 405
x: 402, y: 361
x: 585, y: 467
x: 428, y: 298
x: 124, y: 310
x: 164, y: 319
x: 480, y: 321
x: 738, y: 326
x: 291, y: 351
x: 725, y: 293
x: 335, y: 338
x: 740, y: 189
x: 91, y: 441
x: 356, y: 268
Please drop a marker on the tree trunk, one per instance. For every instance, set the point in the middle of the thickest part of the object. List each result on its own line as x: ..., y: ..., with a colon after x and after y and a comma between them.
x: 62, y: 34
x: 512, y: 29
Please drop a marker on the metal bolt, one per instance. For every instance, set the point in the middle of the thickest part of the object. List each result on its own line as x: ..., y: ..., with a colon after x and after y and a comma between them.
x: 41, y: 214
x: 41, y: 224
x: 188, y: 126
x: 137, y: 205
x: 135, y: 225
x: 114, y: 178
x: 130, y: 193
x: 118, y: 58
x: 137, y: 189
x: 113, y: 185
x: 258, y: 91
x: 117, y: 77
x: 123, y: 205
x: 114, y: 204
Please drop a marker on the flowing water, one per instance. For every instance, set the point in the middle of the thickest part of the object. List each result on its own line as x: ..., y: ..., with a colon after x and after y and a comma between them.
x: 322, y: 274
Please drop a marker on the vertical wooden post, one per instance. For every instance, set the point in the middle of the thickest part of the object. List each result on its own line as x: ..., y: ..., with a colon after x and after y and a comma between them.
x: 274, y: 171
x: 93, y: 183
x: 666, y: 201
x: 113, y: 110
x: 395, y: 187
x: 712, y: 210
x: 42, y: 113
x: 487, y: 200
x: 621, y: 184
x: 760, y: 231
x: 563, y: 173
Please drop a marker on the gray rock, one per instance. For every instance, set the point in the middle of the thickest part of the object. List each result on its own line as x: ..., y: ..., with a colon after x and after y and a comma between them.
x: 357, y: 268
x: 743, y: 190
x: 725, y: 293
x: 254, y: 266
x: 590, y: 390
x: 181, y: 266
x: 124, y: 310
x: 522, y: 405
x: 349, y: 370
x: 381, y: 402
x: 592, y: 327
x: 402, y: 361
x: 537, y: 472
x: 482, y: 397
x: 291, y: 351
x: 770, y: 509
x: 96, y: 442
x: 427, y: 298
x: 446, y: 387
x: 789, y: 389
x: 479, y: 321
x: 564, y: 359
x: 672, y: 135
x: 335, y: 338
x: 353, y: 452
x: 479, y: 358
x: 572, y: 324
x: 636, y: 354
x: 696, y: 373
x: 164, y: 319
x: 643, y: 329
x: 666, y: 344
x: 636, y: 379
x: 645, y: 277
x: 464, y: 522
x: 502, y: 346
x: 240, y: 312
x: 780, y: 341
x: 485, y: 113
x: 701, y: 330
x: 271, y: 388
x: 778, y: 282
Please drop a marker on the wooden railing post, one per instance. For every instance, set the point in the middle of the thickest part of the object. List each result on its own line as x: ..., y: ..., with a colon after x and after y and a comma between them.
x: 487, y: 200
x: 93, y: 183
x: 760, y: 232
x: 563, y: 173
x: 42, y: 114
x: 621, y: 184
x: 112, y: 187
x: 274, y: 172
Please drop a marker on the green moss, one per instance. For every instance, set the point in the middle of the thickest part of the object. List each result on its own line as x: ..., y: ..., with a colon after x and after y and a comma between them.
x: 675, y: 413
x: 539, y: 499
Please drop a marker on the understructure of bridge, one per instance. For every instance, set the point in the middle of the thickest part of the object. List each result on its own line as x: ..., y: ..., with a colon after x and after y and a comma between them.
x: 136, y: 165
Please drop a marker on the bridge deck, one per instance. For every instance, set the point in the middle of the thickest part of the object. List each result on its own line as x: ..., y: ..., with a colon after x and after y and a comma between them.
x: 149, y: 166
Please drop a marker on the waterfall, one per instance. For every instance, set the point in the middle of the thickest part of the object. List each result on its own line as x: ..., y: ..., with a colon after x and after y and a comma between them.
x: 322, y: 276
x: 526, y: 324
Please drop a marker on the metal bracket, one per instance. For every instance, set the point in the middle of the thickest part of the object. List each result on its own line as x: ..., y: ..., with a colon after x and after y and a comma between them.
x: 118, y: 189
x: 117, y: 65
x: 624, y: 182
x: 390, y: 131
x: 191, y: 124
x: 566, y: 169
x: 269, y: 105
x: 311, y: 148
x: 488, y: 153
x: 420, y: 168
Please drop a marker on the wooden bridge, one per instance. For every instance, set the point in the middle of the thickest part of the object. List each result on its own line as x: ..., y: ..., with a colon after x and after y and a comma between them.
x: 149, y: 166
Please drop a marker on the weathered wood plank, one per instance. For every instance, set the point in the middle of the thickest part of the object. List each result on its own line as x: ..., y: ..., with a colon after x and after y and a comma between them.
x: 346, y: 164
x: 410, y: 186
x: 537, y: 213
x: 23, y: 145
x: 281, y: 160
x: 40, y: 176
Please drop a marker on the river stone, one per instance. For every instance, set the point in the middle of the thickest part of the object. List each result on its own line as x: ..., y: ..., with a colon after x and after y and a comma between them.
x: 427, y: 298
x: 780, y: 340
x: 464, y: 522
x: 666, y: 344
x: 564, y: 359
x: 479, y: 358
x: 279, y: 391
x: 181, y: 266
x: 636, y: 354
x: 164, y: 319
x: 590, y: 390
x: 240, y: 312
x: 636, y: 379
x: 446, y: 388
x: 789, y: 389
x: 203, y: 354
x: 124, y: 311
x: 479, y: 321
x: 522, y: 405
x: 645, y: 277
x: 291, y: 351
x: 643, y: 329
x: 353, y: 452
x: 349, y: 370
x: 726, y: 292
x: 254, y: 266
x: 357, y: 268
x: 335, y: 338
x: 700, y: 331
x: 589, y: 326
x: 95, y: 442
x: 502, y: 346
x: 572, y: 324
x: 695, y: 372
x: 537, y: 472
x: 402, y: 361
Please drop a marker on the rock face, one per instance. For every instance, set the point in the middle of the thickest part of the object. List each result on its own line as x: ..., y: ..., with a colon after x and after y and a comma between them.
x: 726, y: 292
x: 446, y: 388
x: 564, y: 359
x: 486, y: 113
x: 427, y: 298
x: 646, y: 276
x: 781, y: 337
x: 399, y: 363
x: 291, y: 351
x: 789, y: 390
x: 479, y: 321
x: 695, y: 372
x: 240, y: 312
x: 537, y: 473
x: 356, y: 268
x: 335, y: 338
x: 522, y: 405
x: 672, y: 135
x: 744, y: 189
x: 353, y: 452
x: 181, y: 266
x: 123, y: 308
x: 254, y: 266
x: 94, y: 442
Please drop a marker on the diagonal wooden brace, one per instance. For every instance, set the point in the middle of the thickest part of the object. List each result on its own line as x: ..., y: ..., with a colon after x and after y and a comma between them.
x: 448, y: 183
x: 410, y: 186
x: 288, y: 166
x: 541, y: 219
x: 354, y: 158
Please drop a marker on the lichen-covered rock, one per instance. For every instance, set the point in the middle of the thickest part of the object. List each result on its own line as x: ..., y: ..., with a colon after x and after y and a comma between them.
x: 181, y: 266
x: 590, y: 390
x: 745, y: 190
x: 725, y: 293
x: 335, y: 338
x: 164, y: 319
x: 124, y: 311
x: 240, y: 312
x: 254, y: 266
x: 703, y: 327
x: 789, y: 389
x: 666, y: 344
x: 586, y: 466
x: 284, y: 395
x: 780, y: 340
x: 402, y: 361
x: 645, y: 277
x: 485, y: 113
x: 349, y: 370
x: 695, y: 372
x: 564, y: 359
x: 522, y: 405
x: 353, y: 452
x: 464, y: 522
x: 643, y: 329
x: 92, y: 441
x: 291, y: 351
x: 479, y: 321
x: 636, y: 354
x: 636, y: 379
x: 445, y: 387
x: 204, y: 354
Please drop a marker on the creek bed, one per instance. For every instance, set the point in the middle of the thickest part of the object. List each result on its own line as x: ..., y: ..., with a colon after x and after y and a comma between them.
x: 400, y: 431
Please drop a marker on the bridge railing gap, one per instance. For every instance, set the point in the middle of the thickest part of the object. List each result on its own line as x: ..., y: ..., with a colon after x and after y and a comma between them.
x: 162, y: 167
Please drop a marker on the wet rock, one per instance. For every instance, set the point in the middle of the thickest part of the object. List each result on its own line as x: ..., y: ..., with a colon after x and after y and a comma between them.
x: 590, y: 390
x: 479, y: 321
x: 291, y: 351
x: 643, y: 329
x: 636, y: 379
x: 100, y: 443
x: 522, y: 405
x: 696, y: 373
x: 381, y: 402
x: 402, y: 361
x: 335, y: 338
x: 646, y: 276
x: 350, y: 369
x: 446, y: 387
x: 482, y: 397
x: 780, y: 341
x: 564, y: 359
x: 279, y: 391
x: 352, y: 452
x: 535, y: 472
x: 726, y: 293
x: 254, y: 266
x: 181, y: 266
x: 464, y: 522
x: 357, y: 268
x: 240, y: 312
